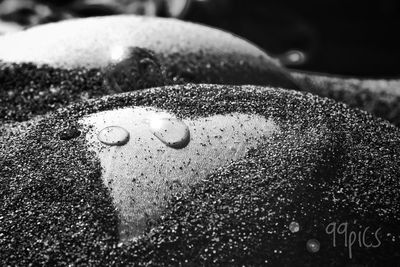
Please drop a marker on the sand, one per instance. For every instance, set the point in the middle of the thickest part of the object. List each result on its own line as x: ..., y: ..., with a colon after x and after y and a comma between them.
x: 380, y: 97
x: 326, y: 164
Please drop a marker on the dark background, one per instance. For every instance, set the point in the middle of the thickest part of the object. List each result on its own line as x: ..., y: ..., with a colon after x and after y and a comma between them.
x: 337, y: 36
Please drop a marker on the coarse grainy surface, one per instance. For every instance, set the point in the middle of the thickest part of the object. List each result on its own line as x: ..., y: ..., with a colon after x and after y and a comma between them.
x: 327, y: 164
x: 377, y: 96
x: 28, y: 90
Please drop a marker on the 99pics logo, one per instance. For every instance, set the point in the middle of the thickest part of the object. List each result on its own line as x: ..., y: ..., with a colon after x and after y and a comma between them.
x: 363, y: 238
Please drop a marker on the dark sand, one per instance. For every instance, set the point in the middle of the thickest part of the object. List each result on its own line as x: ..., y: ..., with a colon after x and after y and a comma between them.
x: 28, y: 90
x: 329, y: 164
x: 380, y: 97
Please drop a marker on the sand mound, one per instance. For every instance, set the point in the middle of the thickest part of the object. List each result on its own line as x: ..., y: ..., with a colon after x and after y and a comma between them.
x: 320, y: 166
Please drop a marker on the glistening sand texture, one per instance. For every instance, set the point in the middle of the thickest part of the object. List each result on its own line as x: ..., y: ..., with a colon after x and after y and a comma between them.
x: 328, y: 163
x: 377, y: 96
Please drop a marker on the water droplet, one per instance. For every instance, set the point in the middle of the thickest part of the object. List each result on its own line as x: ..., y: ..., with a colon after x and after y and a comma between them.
x: 132, y: 68
x: 69, y: 133
x: 172, y: 132
x: 313, y: 245
x: 113, y: 136
x: 294, y: 227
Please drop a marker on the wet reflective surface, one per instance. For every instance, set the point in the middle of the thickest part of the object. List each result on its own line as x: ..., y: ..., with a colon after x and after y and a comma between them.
x: 113, y: 136
x: 171, y: 131
x: 132, y: 68
x: 159, y: 160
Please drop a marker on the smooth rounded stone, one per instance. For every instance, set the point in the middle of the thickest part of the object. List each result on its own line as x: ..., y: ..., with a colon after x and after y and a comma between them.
x: 113, y: 136
x: 333, y: 170
x: 144, y: 173
x: 53, y: 65
x: 188, y: 51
